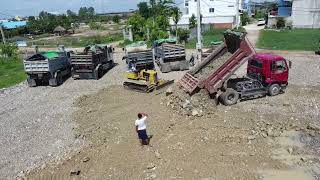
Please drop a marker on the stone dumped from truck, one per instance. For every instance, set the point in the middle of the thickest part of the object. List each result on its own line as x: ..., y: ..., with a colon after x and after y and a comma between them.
x: 213, y: 66
x: 199, y: 103
x: 181, y: 102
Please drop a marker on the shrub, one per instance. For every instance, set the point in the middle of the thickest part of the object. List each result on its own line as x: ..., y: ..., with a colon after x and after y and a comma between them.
x: 281, y: 23
x: 183, y: 34
x: 95, y: 26
x: 245, y: 19
x: 9, y: 50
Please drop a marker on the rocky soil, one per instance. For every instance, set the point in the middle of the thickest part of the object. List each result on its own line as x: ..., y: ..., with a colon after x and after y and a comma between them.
x: 254, y: 139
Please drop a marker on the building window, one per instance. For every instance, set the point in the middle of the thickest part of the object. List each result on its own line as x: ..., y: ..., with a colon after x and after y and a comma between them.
x: 187, y: 4
x: 230, y: 5
x: 211, y: 10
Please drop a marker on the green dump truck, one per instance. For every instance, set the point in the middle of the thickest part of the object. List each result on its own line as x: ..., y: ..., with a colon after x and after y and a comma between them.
x: 48, y: 67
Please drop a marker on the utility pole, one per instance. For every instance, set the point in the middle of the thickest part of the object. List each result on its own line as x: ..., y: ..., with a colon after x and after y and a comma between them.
x: 237, y: 13
x: 199, y: 44
x: 2, y: 34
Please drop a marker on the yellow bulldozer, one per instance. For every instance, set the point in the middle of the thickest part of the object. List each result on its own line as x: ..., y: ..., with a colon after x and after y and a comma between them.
x: 145, y: 81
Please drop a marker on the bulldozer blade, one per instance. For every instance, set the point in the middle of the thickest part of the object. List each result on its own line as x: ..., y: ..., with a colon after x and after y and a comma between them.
x: 160, y: 86
x: 138, y: 87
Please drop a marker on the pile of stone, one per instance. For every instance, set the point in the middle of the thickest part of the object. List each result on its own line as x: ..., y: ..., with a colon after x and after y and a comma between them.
x: 180, y: 101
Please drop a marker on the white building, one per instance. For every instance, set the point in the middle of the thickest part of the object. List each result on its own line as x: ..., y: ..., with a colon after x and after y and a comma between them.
x: 306, y: 13
x: 218, y: 13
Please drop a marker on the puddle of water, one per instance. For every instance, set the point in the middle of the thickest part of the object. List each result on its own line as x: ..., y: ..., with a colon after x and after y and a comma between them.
x: 297, y: 174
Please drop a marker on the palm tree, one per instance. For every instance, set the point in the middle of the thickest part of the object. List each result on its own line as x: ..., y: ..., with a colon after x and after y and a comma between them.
x: 176, y: 15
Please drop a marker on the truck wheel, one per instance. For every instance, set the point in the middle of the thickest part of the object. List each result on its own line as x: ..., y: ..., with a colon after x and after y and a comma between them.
x: 53, y: 82
x: 274, y: 89
x: 59, y: 79
x: 96, y: 74
x: 230, y: 97
x: 31, y: 82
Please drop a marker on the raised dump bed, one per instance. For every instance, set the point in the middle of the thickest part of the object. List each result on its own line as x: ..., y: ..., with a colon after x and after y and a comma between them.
x: 93, y: 62
x: 47, y: 68
x: 171, y: 57
x: 219, y: 65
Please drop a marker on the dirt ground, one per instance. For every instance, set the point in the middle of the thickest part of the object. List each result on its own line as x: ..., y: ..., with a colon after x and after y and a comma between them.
x: 228, y: 143
x: 267, y: 138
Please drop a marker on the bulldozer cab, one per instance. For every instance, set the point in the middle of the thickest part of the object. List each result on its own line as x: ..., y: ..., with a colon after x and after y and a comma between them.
x: 150, y: 76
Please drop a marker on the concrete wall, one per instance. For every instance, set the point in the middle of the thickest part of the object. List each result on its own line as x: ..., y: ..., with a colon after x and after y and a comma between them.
x: 306, y: 14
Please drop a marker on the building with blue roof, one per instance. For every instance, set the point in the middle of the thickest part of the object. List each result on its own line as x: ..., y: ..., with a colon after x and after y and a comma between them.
x: 284, y: 8
x: 13, y: 24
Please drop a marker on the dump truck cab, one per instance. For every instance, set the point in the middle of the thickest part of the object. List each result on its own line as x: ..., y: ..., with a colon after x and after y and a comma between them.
x: 269, y: 69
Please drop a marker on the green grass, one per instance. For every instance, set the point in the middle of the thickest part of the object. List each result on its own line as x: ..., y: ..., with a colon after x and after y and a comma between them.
x: 70, y: 41
x: 295, y: 39
x: 208, y: 37
x: 11, y: 72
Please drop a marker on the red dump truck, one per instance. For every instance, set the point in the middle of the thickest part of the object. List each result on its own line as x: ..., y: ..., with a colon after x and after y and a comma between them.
x: 266, y: 73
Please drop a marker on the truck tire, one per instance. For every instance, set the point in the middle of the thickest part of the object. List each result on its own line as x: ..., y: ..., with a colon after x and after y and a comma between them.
x: 230, y: 97
x: 274, y: 90
x: 31, y: 82
x: 59, y: 79
x: 55, y: 80
x: 96, y: 73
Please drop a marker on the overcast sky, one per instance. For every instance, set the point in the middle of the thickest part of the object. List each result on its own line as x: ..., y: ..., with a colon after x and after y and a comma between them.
x: 33, y: 7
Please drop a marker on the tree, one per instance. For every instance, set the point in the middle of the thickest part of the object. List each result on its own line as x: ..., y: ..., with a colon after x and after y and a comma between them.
x: 144, y: 9
x: 82, y: 13
x: 116, y: 19
x: 138, y: 26
x: 245, y: 19
x: 90, y: 13
x: 176, y: 15
x: 183, y: 34
x: 192, y: 22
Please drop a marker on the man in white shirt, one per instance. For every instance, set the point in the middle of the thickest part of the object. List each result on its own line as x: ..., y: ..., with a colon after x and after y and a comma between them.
x: 141, y: 129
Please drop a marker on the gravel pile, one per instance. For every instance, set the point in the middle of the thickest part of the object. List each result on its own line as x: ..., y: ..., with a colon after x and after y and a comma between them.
x: 182, y: 103
x: 36, y: 123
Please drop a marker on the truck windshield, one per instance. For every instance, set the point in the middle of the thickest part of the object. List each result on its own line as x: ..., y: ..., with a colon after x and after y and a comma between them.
x: 255, y: 63
x: 279, y: 66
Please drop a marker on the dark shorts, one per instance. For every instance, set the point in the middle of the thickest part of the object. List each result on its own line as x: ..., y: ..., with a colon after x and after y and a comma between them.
x: 142, y: 134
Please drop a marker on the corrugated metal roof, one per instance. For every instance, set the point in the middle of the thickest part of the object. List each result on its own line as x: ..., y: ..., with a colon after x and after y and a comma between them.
x: 13, y: 24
